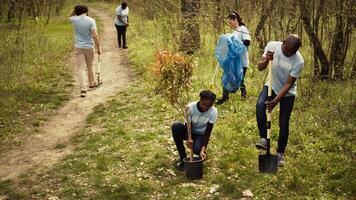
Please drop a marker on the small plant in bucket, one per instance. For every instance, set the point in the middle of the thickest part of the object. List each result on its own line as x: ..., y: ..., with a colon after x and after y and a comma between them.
x: 173, y: 72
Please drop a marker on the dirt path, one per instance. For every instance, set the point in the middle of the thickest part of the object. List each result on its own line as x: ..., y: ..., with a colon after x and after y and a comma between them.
x: 38, y: 152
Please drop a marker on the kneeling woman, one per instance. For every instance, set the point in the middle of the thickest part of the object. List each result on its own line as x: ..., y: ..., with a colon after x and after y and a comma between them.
x: 202, y: 116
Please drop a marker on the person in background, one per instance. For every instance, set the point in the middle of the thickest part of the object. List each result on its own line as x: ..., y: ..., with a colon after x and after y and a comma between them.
x: 85, y: 35
x: 241, y: 33
x: 121, y: 23
x: 287, y: 64
x: 202, y: 116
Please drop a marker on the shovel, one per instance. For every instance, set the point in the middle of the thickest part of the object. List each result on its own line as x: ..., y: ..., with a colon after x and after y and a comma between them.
x: 189, y: 130
x: 98, y: 72
x: 268, y: 163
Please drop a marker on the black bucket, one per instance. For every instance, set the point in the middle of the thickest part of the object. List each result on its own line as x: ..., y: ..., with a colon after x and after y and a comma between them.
x: 194, y: 169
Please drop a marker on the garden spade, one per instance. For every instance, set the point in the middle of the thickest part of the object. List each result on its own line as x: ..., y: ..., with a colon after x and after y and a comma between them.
x: 98, y: 72
x: 268, y: 163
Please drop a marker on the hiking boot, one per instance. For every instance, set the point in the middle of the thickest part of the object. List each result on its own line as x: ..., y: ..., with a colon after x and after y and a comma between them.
x: 243, y: 94
x: 281, y: 161
x: 262, y: 145
x: 179, y: 165
x: 83, y: 93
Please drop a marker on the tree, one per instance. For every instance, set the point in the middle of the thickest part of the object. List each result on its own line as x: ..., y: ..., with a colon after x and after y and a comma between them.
x: 190, y: 35
x: 266, y: 10
x: 314, y: 40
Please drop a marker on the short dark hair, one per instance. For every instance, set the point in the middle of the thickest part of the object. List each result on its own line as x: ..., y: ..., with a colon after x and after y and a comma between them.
x: 207, y: 94
x: 80, y: 9
x: 123, y: 5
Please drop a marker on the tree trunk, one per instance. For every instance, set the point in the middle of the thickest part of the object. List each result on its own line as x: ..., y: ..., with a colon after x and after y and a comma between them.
x: 338, y: 44
x: 316, y: 68
x: 353, y: 72
x: 293, y: 20
x: 266, y: 11
x: 11, y: 11
x: 218, y: 16
x: 313, y: 37
x: 190, y: 35
x: 49, y: 11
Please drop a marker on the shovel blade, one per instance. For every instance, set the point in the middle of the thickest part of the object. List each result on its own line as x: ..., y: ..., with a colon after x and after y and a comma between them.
x: 268, y: 163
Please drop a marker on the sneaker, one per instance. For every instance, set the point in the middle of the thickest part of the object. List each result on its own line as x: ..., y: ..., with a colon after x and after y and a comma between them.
x: 125, y: 47
x: 281, y: 161
x: 179, y: 165
x: 92, y: 87
x: 262, y: 145
x: 83, y: 93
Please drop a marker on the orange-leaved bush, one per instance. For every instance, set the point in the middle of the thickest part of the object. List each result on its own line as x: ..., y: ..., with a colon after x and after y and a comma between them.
x: 173, y: 73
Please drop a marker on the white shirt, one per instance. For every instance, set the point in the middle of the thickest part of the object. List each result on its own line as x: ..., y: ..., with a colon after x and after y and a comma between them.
x: 124, y: 13
x: 200, y: 119
x: 242, y: 34
x: 283, y: 66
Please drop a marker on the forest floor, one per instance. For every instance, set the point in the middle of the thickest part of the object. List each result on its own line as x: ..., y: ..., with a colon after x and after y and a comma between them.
x: 117, y: 142
x: 47, y: 147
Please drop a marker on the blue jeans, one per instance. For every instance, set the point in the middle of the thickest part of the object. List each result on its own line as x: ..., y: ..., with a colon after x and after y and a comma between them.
x: 180, y: 133
x: 285, y: 108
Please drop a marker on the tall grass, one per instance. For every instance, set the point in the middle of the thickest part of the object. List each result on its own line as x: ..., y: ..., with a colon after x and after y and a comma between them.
x: 34, y: 74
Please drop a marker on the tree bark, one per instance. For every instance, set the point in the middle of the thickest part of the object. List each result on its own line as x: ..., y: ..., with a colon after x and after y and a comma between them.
x: 293, y: 20
x: 313, y: 37
x: 338, y: 44
x: 218, y: 16
x: 190, y: 35
x: 11, y: 10
x: 353, y: 72
x: 264, y: 16
x: 316, y: 68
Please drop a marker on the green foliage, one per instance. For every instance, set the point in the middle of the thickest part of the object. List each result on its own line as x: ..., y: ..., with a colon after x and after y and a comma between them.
x: 34, y: 77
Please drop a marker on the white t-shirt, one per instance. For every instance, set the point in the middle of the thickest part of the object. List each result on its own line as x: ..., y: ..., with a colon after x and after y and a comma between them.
x: 283, y: 66
x: 200, y: 119
x: 242, y: 34
x: 83, y: 27
x: 124, y: 13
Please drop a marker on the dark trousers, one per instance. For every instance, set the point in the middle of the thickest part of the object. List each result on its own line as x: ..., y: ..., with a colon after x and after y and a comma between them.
x: 243, y: 86
x: 179, y: 132
x: 285, y: 110
x: 121, y: 33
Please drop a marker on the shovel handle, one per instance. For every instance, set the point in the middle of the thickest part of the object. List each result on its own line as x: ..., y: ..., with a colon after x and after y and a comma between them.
x: 189, y: 130
x: 269, y: 114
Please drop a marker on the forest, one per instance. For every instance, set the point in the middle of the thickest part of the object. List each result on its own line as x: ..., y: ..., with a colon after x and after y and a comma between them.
x: 117, y: 142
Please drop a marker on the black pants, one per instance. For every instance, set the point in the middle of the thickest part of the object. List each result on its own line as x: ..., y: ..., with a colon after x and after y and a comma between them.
x: 285, y: 110
x: 121, y: 33
x: 243, y: 86
x: 179, y: 132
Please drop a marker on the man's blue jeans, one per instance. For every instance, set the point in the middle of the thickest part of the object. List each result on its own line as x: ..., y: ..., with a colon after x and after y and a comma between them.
x: 285, y: 109
x: 179, y: 132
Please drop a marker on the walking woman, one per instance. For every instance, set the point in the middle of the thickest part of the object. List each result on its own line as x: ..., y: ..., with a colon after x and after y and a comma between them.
x: 241, y: 33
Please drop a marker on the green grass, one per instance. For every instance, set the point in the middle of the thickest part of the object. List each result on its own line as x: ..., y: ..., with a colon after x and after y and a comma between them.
x: 126, y: 150
x: 35, y: 78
